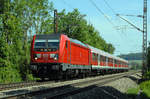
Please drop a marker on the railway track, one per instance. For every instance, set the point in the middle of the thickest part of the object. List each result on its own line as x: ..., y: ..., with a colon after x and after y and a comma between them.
x: 15, y: 85
x: 64, y: 90
x: 10, y: 86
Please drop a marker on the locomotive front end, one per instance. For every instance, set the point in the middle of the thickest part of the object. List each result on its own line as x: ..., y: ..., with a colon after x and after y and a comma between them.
x: 45, y: 55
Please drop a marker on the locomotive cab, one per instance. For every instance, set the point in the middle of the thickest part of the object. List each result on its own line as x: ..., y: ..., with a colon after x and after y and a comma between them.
x: 46, y: 49
x: 45, y: 54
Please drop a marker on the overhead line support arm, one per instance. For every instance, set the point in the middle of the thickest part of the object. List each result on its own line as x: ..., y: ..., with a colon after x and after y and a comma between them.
x: 129, y: 23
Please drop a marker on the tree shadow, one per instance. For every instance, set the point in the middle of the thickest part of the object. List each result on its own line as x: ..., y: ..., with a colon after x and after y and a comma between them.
x: 105, y: 92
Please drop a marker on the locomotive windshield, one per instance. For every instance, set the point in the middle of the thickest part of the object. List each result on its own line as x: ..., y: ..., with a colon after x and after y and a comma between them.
x: 46, y: 45
x: 40, y: 44
x: 53, y: 43
x: 46, y: 42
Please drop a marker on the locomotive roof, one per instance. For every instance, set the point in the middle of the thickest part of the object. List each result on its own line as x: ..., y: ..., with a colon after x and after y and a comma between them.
x: 101, y: 52
x: 48, y: 36
x: 57, y: 36
x: 78, y: 42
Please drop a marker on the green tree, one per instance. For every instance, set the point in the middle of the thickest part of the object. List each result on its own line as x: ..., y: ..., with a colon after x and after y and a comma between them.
x: 147, y: 75
x: 18, y: 19
x: 148, y: 57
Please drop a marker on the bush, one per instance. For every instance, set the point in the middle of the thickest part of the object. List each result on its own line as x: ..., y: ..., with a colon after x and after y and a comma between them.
x: 9, y: 75
x: 145, y: 87
x: 147, y: 75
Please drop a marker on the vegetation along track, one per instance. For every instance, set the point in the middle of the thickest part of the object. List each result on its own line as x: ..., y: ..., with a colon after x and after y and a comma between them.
x: 72, y: 88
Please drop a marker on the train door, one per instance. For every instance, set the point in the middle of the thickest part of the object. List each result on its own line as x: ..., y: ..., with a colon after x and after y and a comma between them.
x: 99, y: 60
x: 68, y: 46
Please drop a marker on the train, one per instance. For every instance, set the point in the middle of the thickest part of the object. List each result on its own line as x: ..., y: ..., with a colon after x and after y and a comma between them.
x: 56, y: 56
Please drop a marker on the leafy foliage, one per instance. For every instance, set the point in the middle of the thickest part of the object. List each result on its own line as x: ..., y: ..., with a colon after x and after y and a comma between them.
x: 147, y: 75
x: 148, y: 58
x: 19, y: 18
x: 145, y: 87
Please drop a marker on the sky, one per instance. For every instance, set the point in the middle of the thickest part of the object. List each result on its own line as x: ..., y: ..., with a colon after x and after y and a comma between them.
x: 123, y: 36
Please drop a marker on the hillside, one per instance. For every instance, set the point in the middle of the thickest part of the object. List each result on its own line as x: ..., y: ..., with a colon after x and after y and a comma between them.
x: 132, y: 56
x: 135, y: 60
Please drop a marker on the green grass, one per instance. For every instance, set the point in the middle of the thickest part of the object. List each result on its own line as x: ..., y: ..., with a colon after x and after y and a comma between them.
x: 144, y: 86
x: 133, y: 91
x: 146, y: 92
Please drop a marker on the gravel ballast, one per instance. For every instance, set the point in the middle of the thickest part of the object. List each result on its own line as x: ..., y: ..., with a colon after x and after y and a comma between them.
x: 113, y: 90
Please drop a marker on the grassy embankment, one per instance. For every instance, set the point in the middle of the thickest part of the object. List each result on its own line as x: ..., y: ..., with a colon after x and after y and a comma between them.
x: 143, y: 88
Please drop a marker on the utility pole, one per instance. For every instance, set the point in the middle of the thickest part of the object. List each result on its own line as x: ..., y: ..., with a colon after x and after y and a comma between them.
x: 144, y: 69
x: 55, y: 21
x: 144, y: 31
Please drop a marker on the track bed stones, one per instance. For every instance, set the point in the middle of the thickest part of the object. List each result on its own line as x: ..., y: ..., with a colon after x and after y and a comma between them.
x: 113, y: 90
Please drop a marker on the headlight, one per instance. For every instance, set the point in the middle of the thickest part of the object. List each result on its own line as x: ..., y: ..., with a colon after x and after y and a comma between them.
x: 36, y: 56
x: 54, y: 56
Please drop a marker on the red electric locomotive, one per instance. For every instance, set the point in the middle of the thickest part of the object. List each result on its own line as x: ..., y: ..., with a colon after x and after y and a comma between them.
x: 56, y: 55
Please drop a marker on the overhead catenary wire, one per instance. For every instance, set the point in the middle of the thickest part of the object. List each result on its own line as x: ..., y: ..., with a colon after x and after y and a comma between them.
x: 119, y: 14
x: 93, y: 3
x: 114, y: 12
x: 109, y: 7
x: 101, y: 12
